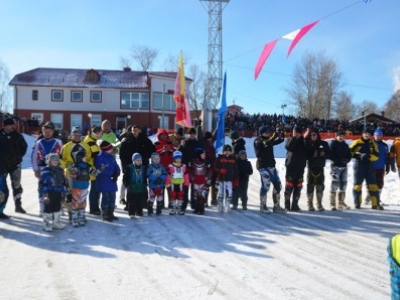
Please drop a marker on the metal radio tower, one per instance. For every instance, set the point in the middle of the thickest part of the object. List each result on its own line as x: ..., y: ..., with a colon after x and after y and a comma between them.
x: 214, y: 64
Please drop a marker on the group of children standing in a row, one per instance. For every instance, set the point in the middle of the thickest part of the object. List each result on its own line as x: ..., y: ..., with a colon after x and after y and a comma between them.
x: 145, y: 185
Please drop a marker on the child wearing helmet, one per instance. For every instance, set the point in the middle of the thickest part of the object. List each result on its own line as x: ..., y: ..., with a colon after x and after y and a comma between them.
x: 177, y: 183
x: 156, y: 175
x: 53, y: 189
x: 227, y: 170
x: 80, y: 172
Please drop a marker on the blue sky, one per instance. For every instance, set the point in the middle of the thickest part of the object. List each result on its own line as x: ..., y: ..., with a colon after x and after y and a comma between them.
x: 363, y: 39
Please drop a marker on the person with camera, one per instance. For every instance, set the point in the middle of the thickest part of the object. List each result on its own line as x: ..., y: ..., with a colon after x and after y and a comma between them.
x: 317, y: 152
x: 365, y: 151
x: 264, y: 150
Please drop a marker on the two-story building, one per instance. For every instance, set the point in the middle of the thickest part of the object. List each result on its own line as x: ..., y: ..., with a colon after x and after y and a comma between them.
x: 78, y: 97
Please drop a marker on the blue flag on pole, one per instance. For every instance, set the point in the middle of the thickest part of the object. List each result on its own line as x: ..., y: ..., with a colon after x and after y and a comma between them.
x: 220, y: 141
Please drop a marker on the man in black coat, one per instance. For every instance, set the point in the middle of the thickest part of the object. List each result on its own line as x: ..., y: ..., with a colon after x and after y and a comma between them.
x: 17, y: 147
x: 295, y: 163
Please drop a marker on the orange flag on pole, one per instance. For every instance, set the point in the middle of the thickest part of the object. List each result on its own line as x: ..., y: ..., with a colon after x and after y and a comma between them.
x: 182, y: 108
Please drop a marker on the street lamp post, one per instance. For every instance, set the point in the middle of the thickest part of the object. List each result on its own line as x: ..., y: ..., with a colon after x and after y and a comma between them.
x: 90, y: 120
x: 162, y: 104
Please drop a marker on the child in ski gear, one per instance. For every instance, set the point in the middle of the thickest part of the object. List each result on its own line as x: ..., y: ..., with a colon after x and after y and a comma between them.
x: 227, y: 171
x: 135, y: 181
x: 177, y: 183
x: 264, y: 150
x: 200, y: 172
x: 382, y: 165
x: 157, y: 175
x: 365, y: 152
x: 295, y: 163
x: 317, y: 151
x: 107, y: 180
x: 245, y: 169
x: 80, y: 173
x: 53, y: 190
x: 340, y: 157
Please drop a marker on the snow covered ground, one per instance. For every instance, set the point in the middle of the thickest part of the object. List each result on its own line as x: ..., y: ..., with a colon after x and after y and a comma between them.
x: 240, y: 255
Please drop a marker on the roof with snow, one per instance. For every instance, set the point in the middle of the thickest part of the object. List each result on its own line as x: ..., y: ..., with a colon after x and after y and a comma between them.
x: 83, y: 78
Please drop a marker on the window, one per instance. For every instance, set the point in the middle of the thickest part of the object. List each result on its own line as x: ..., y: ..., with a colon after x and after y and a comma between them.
x: 95, y: 120
x: 95, y: 96
x: 57, y: 95
x: 135, y: 100
x: 37, y: 116
x: 76, y: 96
x: 57, y: 119
x: 76, y: 120
x: 163, y: 123
x: 35, y: 95
x: 169, y: 103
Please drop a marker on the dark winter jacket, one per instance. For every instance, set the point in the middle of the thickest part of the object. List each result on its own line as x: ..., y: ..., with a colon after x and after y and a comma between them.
x: 142, y: 145
x: 17, y: 147
x: 364, y: 151
x: 264, y: 150
x: 238, y: 145
x: 340, y: 153
x: 135, y: 178
x: 210, y: 151
x: 52, y: 179
x: 189, y: 150
x: 105, y: 182
x: 317, y: 152
x: 226, y: 168
x: 245, y: 169
x: 296, y: 153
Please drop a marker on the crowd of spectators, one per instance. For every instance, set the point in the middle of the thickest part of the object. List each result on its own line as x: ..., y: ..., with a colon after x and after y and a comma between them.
x: 251, y: 123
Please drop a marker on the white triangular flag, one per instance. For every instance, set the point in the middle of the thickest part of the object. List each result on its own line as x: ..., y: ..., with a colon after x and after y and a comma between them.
x: 291, y: 35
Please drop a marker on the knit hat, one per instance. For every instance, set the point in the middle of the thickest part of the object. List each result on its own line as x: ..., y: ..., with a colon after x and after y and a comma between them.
x: 153, y: 155
x: 52, y: 156
x: 192, y: 130
x: 136, y: 156
x: 340, y: 132
x: 179, y: 131
x: 298, y: 129
x: 8, y: 121
x: 49, y: 125
x: 76, y: 130
x: 207, y: 135
x: 227, y: 148
x: 79, y: 155
x: 199, y: 151
x: 365, y: 131
x: 234, y: 135
x: 378, y: 131
x: 105, y: 146
x: 241, y: 152
x: 263, y: 129
x: 177, y: 154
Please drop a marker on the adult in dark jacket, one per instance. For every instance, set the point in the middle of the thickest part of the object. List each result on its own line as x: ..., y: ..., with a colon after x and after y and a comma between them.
x: 340, y: 156
x: 17, y: 147
x: 317, y: 152
x: 264, y: 150
x: 210, y: 157
x: 238, y: 143
x: 4, y: 192
x: 295, y: 163
x: 137, y: 142
x: 188, y: 148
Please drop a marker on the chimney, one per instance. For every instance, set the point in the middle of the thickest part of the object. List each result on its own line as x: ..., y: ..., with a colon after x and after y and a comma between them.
x: 127, y: 69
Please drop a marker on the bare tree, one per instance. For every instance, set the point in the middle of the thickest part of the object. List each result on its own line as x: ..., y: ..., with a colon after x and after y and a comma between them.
x: 196, y: 91
x: 143, y: 56
x: 172, y: 61
x: 315, y: 82
x: 392, y: 107
x: 4, y: 88
x: 343, y: 107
